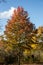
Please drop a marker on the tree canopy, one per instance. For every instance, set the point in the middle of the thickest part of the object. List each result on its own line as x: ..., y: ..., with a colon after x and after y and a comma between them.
x: 20, y: 36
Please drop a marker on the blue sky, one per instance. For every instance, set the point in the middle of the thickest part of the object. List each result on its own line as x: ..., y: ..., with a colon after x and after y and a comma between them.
x: 33, y: 7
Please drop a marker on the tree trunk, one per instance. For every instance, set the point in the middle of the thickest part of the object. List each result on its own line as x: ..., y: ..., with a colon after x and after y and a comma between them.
x: 18, y: 59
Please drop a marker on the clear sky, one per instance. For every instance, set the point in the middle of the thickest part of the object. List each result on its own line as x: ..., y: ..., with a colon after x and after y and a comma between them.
x: 33, y: 7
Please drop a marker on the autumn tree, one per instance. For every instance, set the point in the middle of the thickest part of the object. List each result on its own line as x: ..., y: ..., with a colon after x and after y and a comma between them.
x: 18, y: 31
x: 37, y: 46
x: 38, y: 35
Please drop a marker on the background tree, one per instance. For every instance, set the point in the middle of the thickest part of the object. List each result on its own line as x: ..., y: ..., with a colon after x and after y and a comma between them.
x: 37, y: 46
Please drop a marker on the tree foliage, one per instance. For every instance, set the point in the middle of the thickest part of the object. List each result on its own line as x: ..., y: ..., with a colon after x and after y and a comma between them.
x: 18, y: 32
x: 19, y: 28
x: 20, y: 37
